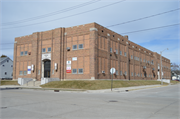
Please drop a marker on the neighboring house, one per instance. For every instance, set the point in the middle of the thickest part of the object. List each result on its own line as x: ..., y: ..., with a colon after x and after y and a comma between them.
x: 6, y: 68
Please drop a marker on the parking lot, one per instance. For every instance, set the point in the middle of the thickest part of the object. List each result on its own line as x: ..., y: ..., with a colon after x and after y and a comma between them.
x: 155, y: 103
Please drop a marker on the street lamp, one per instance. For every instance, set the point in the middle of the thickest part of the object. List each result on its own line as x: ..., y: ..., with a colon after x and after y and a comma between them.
x: 161, y: 65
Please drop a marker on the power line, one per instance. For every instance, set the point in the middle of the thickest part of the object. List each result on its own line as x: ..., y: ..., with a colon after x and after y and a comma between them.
x: 51, y: 14
x: 68, y: 16
x: 150, y: 28
x: 144, y: 17
x: 128, y: 32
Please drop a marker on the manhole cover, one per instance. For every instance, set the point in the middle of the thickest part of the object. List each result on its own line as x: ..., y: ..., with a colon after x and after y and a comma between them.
x: 3, y: 107
x: 113, y: 101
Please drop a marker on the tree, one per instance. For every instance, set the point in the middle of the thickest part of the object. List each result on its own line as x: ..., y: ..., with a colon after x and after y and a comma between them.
x: 175, y: 68
x: 3, y: 56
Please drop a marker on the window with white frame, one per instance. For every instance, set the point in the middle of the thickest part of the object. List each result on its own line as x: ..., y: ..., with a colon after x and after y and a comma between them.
x: 80, y: 46
x: 74, y: 71
x: 22, y: 53
x: 125, y: 54
x: 116, y: 51
x: 111, y: 50
x: 120, y: 72
x: 44, y: 50
x: 131, y: 57
x: 20, y: 72
x: 74, y: 47
x: 25, y: 72
x: 25, y: 52
x: 116, y: 72
x: 49, y: 49
x: 80, y: 71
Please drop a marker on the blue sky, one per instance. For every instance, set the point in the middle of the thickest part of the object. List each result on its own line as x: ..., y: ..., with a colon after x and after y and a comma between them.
x: 125, y: 10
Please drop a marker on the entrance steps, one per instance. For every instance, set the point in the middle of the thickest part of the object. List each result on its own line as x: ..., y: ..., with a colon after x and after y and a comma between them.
x: 33, y: 84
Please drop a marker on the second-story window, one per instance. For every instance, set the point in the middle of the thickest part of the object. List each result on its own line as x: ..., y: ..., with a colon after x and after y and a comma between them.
x: 116, y: 51
x: 44, y: 50
x: 125, y: 54
x: 80, y: 46
x: 25, y: 52
x: 21, y: 53
x: 120, y: 52
x: 111, y: 50
x: 49, y: 49
x: 74, y: 47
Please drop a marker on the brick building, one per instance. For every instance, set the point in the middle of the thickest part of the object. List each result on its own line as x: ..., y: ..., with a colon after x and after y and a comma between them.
x: 84, y: 52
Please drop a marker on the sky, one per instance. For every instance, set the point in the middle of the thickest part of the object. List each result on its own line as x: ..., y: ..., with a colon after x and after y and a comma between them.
x: 24, y: 17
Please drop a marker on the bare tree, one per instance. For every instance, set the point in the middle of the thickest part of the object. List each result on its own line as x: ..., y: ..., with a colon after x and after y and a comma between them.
x: 175, y: 68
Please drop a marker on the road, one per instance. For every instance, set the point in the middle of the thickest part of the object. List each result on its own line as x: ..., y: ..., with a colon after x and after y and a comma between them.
x: 156, y: 103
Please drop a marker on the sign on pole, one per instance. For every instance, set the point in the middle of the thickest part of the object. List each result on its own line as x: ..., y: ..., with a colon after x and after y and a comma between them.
x: 112, y: 70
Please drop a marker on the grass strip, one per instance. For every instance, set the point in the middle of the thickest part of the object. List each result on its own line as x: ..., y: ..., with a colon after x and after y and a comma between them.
x: 9, y: 82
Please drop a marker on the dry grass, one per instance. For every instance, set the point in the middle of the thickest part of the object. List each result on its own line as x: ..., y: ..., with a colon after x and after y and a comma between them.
x: 175, y: 82
x: 9, y: 82
x: 97, y: 84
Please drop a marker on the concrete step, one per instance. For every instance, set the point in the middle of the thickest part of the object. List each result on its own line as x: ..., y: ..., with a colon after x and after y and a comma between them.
x: 33, y: 84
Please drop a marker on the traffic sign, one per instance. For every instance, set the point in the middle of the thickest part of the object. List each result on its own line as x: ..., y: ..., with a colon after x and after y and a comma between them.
x: 112, y: 70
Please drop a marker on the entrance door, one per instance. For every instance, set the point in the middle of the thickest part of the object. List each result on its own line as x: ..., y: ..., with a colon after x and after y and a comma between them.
x: 47, y: 68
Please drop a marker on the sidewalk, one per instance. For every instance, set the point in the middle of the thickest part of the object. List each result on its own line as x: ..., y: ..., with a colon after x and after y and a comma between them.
x: 123, y: 89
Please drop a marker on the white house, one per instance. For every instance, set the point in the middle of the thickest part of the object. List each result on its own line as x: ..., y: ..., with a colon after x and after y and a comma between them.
x: 6, y: 68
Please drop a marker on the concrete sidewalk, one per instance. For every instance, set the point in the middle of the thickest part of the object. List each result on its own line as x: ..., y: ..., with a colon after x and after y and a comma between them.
x: 123, y: 89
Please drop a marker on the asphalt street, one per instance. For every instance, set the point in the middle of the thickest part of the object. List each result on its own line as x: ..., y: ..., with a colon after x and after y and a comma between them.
x: 154, y: 103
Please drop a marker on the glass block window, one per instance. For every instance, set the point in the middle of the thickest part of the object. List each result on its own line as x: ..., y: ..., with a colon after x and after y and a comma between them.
x: 74, y: 71
x: 80, y: 71
x: 49, y: 49
x: 44, y: 50
x: 74, y: 47
x: 80, y: 46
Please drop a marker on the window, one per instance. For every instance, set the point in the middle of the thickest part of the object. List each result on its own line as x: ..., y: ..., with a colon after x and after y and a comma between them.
x: 25, y: 72
x: 120, y: 52
x: 141, y: 74
x: 125, y: 73
x: 20, y: 72
x: 131, y: 57
x: 21, y: 53
x: 134, y: 74
x: 116, y: 51
x: 143, y: 60
x: 111, y: 50
x: 3, y: 65
x: 5, y: 73
x: 152, y: 62
x: 138, y: 74
x: 44, y: 50
x: 120, y: 72
x: 49, y: 49
x: 80, y: 46
x: 25, y: 52
x: 140, y: 59
x: 74, y: 71
x: 11, y: 65
x: 116, y: 72
x: 7, y: 60
x: 38, y: 72
x: 135, y: 57
x: 131, y: 73
x: 125, y: 54
x: 74, y: 47
x: 80, y: 71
